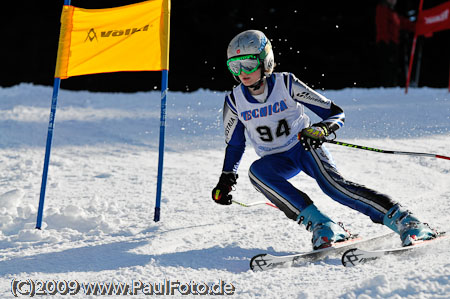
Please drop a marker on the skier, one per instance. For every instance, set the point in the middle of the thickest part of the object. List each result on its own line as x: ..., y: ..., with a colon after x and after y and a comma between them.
x: 270, y: 106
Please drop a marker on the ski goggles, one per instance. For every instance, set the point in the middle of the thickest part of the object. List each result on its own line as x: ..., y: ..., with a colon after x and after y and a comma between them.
x: 247, y: 64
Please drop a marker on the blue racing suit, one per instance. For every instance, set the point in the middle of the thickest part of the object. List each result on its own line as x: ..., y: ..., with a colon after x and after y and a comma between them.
x: 272, y: 126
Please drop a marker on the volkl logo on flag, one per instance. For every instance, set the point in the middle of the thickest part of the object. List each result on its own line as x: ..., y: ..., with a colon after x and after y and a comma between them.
x: 124, y: 32
x: 91, y: 35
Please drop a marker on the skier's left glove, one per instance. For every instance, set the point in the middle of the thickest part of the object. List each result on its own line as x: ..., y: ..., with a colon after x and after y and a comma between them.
x: 313, y: 136
x: 220, y: 194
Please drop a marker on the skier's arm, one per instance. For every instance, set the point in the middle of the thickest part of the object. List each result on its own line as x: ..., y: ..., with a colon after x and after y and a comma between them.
x: 234, y: 137
x: 332, y: 115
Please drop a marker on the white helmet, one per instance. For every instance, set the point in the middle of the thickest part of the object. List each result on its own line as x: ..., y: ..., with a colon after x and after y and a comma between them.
x: 256, y: 43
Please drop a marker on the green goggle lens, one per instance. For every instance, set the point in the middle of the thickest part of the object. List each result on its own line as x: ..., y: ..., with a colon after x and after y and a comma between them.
x: 247, y: 64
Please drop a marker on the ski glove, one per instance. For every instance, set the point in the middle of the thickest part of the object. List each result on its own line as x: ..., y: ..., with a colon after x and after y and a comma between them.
x: 220, y: 194
x: 313, y: 136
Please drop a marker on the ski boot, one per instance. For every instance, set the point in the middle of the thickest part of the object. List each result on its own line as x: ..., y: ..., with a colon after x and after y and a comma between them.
x: 325, y: 231
x: 407, y: 226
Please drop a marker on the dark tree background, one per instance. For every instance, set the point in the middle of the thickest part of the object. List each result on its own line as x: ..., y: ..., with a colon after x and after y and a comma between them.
x: 327, y: 44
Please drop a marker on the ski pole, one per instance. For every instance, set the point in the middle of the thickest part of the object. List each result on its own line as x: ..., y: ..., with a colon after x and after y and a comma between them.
x: 386, y: 151
x: 255, y: 203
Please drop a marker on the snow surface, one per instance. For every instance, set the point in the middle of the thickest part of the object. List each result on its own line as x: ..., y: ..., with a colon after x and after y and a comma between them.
x: 98, y: 219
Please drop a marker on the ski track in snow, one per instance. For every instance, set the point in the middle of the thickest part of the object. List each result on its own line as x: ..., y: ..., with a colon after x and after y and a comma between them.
x: 98, y: 218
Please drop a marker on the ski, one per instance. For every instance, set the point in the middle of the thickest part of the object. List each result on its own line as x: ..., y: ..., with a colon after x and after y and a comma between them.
x: 356, y: 256
x: 266, y: 261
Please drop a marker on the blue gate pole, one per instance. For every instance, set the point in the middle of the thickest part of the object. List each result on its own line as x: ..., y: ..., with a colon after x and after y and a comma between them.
x: 51, y: 123
x: 162, y: 129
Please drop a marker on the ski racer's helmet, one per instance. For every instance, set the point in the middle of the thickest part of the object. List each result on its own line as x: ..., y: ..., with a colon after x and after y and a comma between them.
x: 253, y: 42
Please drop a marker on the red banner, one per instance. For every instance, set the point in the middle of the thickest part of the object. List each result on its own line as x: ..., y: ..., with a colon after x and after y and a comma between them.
x: 433, y: 19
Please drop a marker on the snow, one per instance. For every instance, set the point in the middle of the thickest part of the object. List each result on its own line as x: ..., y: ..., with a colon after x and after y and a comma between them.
x: 98, y: 219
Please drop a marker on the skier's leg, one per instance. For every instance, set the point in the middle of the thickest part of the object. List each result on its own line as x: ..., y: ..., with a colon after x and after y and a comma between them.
x: 379, y: 207
x: 269, y: 175
x: 318, y: 164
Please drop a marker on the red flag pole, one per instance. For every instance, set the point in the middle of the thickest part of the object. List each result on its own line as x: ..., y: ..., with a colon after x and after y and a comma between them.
x: 411, y: 58
x: 413, y: 49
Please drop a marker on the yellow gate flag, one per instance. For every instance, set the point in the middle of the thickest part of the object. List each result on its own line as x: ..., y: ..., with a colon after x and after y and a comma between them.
x: 128, y: 38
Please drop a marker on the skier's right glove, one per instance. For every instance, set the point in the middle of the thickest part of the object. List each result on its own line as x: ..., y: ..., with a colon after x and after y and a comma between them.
x: 220, y: 194
x: 313, y: 136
